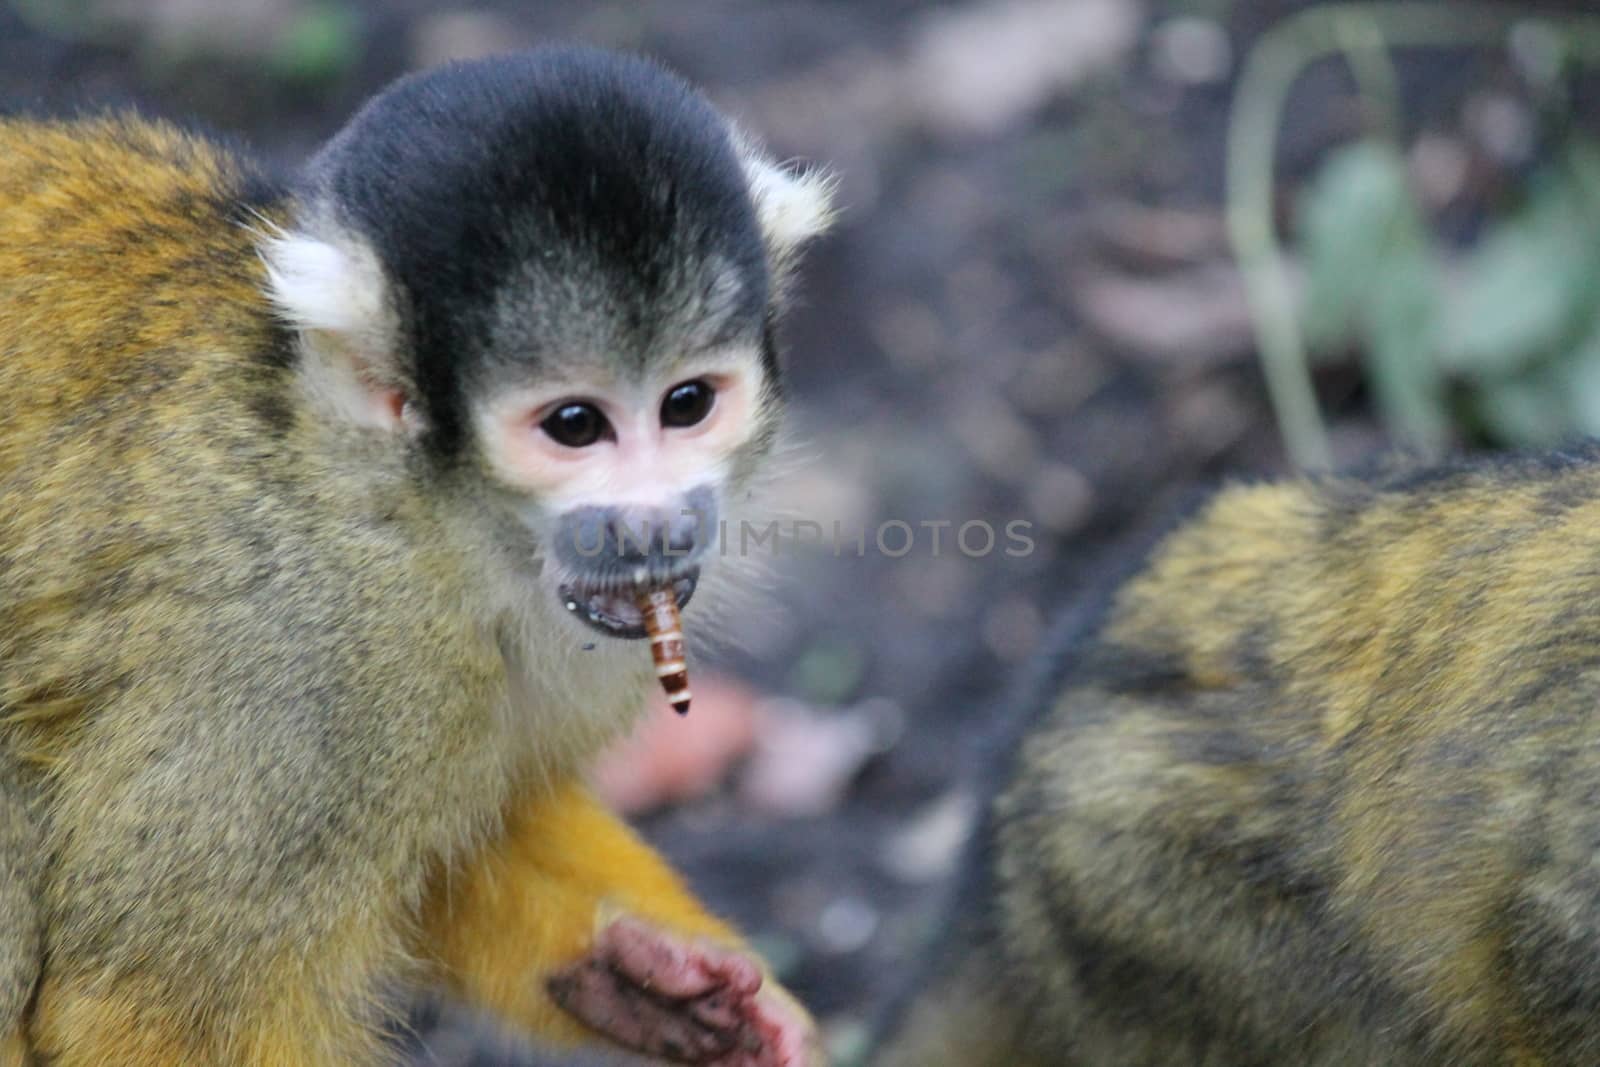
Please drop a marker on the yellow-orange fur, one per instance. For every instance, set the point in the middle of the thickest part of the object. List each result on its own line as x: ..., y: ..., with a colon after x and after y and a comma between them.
x: 531, y: 901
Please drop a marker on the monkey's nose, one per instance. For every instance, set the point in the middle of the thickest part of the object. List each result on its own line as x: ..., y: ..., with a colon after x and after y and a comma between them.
x: 632, y: 536
x: 643, y: 533
x: 682, y: 532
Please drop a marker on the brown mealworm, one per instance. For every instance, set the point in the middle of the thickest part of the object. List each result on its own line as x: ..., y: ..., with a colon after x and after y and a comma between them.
x: 660, y: 610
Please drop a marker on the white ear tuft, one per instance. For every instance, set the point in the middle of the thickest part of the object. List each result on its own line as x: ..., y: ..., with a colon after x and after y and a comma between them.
x: 792, y: 207
x: 319, y: 285
x: 335, y: 295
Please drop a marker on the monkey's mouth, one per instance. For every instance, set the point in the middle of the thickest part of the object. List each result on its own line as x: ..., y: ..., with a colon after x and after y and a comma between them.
x: 615, y: 612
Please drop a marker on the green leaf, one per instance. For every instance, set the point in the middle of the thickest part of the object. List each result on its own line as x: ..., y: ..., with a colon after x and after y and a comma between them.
x: 1527, y: 288
x: 1401, y: 324
x: 1371, y: 278
x: 1581, y: 383
x: 318, y: 44
x: 828, y: 671
x: 1529, y: 410
x: 1358, y: 204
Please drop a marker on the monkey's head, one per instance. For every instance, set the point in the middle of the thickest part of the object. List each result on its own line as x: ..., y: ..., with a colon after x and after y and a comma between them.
x: 546, y: 285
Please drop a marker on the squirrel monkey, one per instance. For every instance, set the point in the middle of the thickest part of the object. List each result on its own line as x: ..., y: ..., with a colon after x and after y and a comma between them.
x: 1319, y: 785
x: 310, y: 588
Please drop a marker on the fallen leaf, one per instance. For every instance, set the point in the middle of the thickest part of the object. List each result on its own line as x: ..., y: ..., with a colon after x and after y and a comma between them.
x: 670, y: 759
x: 804, y: 760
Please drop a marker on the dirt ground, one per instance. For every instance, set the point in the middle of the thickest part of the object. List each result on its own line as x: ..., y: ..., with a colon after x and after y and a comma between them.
x: 1028, y: 312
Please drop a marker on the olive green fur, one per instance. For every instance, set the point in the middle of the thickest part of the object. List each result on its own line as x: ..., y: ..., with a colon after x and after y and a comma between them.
x: 1321, y: 787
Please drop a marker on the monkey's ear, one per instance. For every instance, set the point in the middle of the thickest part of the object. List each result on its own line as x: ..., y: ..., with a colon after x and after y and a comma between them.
x: 334, y: 294
x: 792, y: 206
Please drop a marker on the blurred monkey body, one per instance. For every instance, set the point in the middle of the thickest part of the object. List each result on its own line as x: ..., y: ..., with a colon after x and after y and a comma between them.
x: 292, y: 712
x: 1315, y: 785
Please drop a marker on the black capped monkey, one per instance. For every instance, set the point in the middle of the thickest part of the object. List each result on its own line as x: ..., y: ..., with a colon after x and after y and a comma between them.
x: 296, y: 685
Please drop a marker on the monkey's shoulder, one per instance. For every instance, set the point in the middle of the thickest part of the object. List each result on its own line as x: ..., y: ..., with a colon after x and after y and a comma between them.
x: 121, y: 172
x: 118, y: 230
x: 1309, y: 574
x: 128, y: 263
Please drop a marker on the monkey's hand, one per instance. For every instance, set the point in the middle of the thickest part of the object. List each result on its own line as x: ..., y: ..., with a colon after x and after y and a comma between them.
x: 571, y: 926
x: 684, y: 999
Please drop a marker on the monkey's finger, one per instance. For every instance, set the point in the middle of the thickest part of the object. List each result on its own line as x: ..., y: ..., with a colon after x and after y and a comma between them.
x: 611, y: 1005
x: 674, y: 966
x: 779, y: 1032
x: 720, y: 1010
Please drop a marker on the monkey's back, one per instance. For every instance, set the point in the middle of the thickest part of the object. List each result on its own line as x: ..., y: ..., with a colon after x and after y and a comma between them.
x: 132, y: 329
x: 1320, y: 789
x: 125, y: 261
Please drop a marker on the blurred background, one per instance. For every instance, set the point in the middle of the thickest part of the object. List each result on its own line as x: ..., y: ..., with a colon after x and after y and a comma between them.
x: 1094, y: 254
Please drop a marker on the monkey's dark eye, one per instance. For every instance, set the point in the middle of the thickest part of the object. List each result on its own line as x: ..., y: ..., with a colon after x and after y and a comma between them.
x: 575, y: 425
x: 687, y: 404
